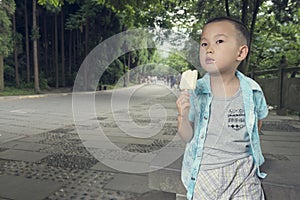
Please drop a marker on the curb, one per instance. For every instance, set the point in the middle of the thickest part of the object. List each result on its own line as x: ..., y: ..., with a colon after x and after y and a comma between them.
x: 32, y: 96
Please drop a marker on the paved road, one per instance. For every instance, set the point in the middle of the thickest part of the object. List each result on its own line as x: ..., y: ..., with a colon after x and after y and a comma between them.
x: 23, y: 116
x: 43, y: 157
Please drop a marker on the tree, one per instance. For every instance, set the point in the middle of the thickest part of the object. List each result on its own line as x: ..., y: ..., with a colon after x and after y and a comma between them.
x: 63, y: 75
x: 245, y: 10
x: 277, y: 35
x: 27, y: 42
x: 35, y: 35
x: 7, y: 9
x: 16, y: 51
x: 87, y: 23
x: 272, y: 26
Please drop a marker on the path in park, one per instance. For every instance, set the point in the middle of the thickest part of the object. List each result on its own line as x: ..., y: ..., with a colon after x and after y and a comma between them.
x: 44, y: 154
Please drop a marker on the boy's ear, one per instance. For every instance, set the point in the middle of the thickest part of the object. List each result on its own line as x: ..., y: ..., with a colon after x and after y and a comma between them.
x: 243, y: 52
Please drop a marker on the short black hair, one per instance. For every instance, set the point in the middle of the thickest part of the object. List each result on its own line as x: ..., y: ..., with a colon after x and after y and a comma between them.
x: 241, y: 27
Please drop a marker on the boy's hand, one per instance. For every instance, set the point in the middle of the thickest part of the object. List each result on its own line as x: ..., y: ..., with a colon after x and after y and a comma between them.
x: 183, y: 104
x: 185, y: 128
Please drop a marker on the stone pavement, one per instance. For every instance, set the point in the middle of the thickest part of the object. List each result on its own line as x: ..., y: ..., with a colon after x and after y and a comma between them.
x: 280, y: 141
x: 61, y: 164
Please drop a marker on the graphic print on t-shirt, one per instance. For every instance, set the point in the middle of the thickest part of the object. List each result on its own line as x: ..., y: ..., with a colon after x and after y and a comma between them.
x: 236, y: 119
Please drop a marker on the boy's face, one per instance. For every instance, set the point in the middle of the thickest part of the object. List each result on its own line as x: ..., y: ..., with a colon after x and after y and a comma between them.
x: 220, y: 50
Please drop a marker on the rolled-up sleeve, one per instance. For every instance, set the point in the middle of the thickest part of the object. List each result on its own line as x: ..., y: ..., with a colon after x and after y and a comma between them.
x: 262, y: 107
x: 192, y: 109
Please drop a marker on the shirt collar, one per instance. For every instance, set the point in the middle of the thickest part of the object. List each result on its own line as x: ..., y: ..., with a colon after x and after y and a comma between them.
x: 246, y: 80
x: 203, y: 84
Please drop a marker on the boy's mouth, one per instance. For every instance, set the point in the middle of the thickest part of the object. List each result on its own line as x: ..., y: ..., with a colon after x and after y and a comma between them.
x: 209, y: 61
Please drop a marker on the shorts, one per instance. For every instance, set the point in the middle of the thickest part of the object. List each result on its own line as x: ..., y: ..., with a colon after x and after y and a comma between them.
x: 233, y: 182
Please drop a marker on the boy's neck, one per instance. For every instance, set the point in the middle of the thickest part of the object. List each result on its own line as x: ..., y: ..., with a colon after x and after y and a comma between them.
x: 224, y: 85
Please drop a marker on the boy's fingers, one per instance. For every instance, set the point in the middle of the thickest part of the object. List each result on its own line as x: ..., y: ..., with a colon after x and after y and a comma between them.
x: 183, y: 105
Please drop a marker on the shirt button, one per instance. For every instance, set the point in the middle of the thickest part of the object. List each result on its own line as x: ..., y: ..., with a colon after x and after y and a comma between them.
x: 205, y: 117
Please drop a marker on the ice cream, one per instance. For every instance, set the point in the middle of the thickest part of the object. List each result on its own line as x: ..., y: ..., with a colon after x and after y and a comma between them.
x: 188, y: 80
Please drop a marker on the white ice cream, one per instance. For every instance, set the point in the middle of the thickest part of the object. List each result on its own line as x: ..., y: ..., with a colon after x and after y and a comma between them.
x: 188, y: 80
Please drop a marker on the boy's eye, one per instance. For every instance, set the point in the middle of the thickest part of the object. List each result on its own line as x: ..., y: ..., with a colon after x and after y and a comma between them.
x: 219, y: 41
x: 203, y: 44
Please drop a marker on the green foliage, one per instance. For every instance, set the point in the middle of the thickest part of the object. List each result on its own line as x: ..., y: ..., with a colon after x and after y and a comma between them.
x: 177, y: 61
x: 35, y: 33
x: 276, y: 32
x: 12, y: 91
x: 55, y: 3
x: 275, y: 37
x: 9, y: 74
x: 7, y: 8
x: 113, y: 73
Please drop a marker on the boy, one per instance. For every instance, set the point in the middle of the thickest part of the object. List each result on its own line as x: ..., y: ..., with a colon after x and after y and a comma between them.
x: 221, y: 118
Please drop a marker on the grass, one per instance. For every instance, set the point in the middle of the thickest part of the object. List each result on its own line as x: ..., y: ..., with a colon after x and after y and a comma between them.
x: 12, y: 91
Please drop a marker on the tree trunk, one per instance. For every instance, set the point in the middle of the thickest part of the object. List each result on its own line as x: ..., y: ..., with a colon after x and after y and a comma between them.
x: 244, y: 67
x: 46, y: 58
x: 227, y: 8
x: 52, y: 59
x: 128, y: 72
x: 85, y: 70
x: 75, y: 48
x: 244, y: 11
x: 124, y: 72
x: 16, y: 53
x: 86, y: 37
x: 1, y: 73
x: 27, y: 44
x: 63, y: 80
x: 35, y: 53
x: 56, y: 52
x: 70, y: 55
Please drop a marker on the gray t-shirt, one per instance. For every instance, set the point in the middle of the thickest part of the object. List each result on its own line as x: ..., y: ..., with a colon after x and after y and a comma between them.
x: 227, y: 139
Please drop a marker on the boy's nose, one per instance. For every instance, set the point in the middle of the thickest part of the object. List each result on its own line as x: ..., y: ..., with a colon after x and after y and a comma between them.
x: 209, y: 50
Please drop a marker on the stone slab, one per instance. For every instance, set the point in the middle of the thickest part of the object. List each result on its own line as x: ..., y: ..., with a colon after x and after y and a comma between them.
x: 21, y: 145
x: 167, y: 179
x: 21, y: 130
x: 102, y: 167
x: 157, y: 195
x: 282, y: 182
x: 7, y: 136
x: 281, y: 149
x: 28, y: 156
x: 127, y: 166
x: 285, y: 134
x: 168, y: 157
x: 142, y: 157
x: 33, y: 138
x: 98, y: 144
x: 280, y: 192
x: 98, y: 141
x: 129, y: 183
x: 282, y: 172
x: 20, y: 188
x: 131, y: 140
x: 180, y: 197
x: 280, y: 138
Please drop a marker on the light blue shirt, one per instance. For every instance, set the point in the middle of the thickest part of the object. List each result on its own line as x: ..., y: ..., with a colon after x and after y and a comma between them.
x: 255, y: 108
